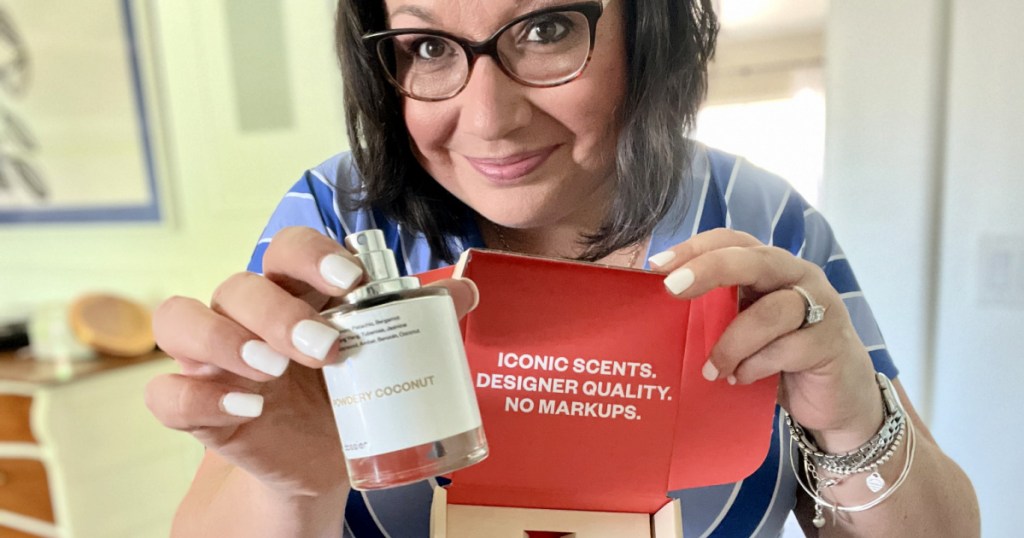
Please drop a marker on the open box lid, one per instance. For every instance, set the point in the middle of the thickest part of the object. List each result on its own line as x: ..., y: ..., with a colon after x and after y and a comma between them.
x: 626, y: 415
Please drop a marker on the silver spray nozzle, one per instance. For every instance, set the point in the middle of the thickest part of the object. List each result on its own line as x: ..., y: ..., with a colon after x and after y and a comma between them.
x: 371, y: 249
x: 379, y: 261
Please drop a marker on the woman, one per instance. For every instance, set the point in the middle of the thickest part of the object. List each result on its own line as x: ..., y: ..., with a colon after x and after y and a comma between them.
x: 562, y: 135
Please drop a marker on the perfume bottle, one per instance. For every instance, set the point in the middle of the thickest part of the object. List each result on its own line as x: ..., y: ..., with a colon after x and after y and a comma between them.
x: 401, y: 391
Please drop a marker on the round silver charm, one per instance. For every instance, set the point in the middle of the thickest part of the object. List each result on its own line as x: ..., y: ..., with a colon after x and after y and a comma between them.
x: 819, y: 521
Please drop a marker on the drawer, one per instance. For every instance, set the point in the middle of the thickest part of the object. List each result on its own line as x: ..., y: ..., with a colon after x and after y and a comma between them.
x: 23, y: 489
x: 14, y: 419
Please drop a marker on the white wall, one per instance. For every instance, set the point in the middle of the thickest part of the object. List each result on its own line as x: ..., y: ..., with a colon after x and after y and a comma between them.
x: 924, y: 138
x: 882, y: 163
x: 979, y: 361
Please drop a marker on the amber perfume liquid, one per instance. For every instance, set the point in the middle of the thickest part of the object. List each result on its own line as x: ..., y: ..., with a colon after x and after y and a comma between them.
x: 402, y: 393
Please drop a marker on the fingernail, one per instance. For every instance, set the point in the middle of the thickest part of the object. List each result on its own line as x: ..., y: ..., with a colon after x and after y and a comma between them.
x: 313, y: 338
x: 731, y: 380
x: 677, y: 281
x: 262, y: 357
x: 709, y: 371
x: 661, y: 258
x: 476, y: 293
x: 340, y: 271
x: 241, y: 404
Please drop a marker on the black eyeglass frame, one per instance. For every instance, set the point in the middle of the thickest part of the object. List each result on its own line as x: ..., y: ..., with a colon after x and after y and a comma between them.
x: 488, y: 47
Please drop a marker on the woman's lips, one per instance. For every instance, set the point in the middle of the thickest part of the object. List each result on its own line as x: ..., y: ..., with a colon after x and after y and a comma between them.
x: 513, y: 167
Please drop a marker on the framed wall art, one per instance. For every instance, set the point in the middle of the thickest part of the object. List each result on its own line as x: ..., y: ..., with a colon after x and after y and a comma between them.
x: 76, y: 133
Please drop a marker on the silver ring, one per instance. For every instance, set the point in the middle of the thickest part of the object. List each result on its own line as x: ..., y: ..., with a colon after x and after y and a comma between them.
x: 813, y: 312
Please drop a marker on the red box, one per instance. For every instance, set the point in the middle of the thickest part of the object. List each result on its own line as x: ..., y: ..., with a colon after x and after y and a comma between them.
x: 590, y: 389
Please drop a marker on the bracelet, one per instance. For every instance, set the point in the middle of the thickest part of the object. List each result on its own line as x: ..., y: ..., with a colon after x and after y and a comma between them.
x: 868, y: 457
x: 817, y: 492
x: 870, y: 464
x: 876, y: 451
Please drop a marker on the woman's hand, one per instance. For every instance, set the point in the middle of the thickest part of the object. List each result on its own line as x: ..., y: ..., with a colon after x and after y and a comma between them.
x: 250, y: 387
x: 828, y: 383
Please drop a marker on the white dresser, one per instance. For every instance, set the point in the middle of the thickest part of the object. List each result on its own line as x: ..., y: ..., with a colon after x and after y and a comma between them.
x: 81, y: 456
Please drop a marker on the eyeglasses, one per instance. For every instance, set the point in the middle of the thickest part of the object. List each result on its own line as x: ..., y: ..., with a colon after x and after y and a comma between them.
x: 544, y: 48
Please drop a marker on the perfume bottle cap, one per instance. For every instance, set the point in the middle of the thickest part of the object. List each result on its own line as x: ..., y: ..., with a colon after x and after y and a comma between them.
x: 379, y: 262
x: 371, y: 249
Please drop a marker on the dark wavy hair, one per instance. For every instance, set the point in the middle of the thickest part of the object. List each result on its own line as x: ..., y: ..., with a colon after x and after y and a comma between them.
x: 668, y: 46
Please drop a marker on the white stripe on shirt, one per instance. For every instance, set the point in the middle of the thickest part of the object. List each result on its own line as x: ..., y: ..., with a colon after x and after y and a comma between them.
x: 373, y: 515
x: 725, y: 510
x: 334, y: 203
x: 728, y: 190
x: 703, y: 199
x: 405, y: 251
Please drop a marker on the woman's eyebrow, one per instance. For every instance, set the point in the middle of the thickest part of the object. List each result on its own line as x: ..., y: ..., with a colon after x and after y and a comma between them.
x: 524, y: 6
x: 416, y: 11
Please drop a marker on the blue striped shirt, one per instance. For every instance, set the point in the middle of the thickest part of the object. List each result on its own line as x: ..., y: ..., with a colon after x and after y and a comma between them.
x: 721, y: 190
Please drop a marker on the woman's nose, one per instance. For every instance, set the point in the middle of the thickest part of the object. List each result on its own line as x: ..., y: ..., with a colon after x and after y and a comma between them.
x: 493, y: 105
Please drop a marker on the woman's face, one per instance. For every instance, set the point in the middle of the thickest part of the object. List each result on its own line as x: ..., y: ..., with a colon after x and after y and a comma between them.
x: 521, y: 157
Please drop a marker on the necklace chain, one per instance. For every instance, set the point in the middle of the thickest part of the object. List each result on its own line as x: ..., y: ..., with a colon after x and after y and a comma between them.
x: 632, y: 258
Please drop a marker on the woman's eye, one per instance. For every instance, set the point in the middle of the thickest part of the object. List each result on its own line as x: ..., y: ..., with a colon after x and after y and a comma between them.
x: 430, y: 49
x: 547, y: 31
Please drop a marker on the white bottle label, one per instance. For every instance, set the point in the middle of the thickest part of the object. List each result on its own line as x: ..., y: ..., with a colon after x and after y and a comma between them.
x: 403, y: 379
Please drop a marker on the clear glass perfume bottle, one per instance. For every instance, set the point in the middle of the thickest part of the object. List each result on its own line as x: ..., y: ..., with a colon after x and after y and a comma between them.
x: 402, y: 393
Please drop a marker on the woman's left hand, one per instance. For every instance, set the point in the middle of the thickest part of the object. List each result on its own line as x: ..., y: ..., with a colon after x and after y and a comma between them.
x: 827, y: 382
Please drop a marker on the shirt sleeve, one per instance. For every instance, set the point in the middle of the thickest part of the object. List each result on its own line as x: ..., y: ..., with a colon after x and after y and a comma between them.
x: 302, y: 205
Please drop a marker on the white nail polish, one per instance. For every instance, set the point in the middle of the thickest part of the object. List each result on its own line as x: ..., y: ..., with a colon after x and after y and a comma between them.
x: 241, y: 404
x: 262, y: 357
x: 661, y: 258
x: 340, y: 271
x: 731, y: 380
x: 313, y: 339
x: 709, y: 371
x: 677, y: 281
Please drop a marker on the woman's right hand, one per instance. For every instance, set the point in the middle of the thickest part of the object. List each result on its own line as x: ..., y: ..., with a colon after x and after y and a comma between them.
x: 250, y: 387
